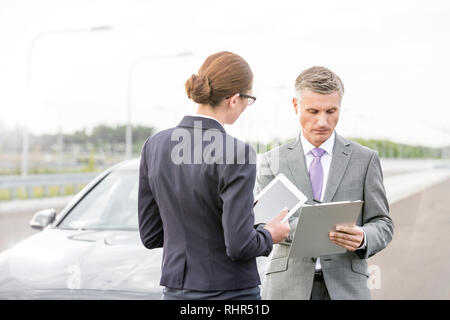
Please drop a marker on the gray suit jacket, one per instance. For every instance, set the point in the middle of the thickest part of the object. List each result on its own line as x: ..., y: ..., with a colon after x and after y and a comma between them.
x: 355, y: 174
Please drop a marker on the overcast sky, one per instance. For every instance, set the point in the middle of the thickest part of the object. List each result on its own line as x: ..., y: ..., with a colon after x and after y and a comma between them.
x: 391, y: 55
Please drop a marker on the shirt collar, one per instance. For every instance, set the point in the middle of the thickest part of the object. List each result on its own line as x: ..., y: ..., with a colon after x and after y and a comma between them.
x: 327, y: 145
x: 208, y: 117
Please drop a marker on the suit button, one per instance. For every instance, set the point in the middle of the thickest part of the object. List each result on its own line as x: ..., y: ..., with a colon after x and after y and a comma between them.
x: 314, y: 260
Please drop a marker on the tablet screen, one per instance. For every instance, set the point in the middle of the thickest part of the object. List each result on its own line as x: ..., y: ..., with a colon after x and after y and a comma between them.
x: 277, y: 195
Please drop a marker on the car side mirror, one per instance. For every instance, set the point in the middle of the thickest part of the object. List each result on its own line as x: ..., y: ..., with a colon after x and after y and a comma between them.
x: 42, y: 219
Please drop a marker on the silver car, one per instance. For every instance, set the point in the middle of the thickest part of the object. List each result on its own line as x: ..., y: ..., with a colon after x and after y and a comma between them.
x: 90, y: 250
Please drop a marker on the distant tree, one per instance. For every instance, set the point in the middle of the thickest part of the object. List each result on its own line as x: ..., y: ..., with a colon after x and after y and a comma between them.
x: 111, y: 139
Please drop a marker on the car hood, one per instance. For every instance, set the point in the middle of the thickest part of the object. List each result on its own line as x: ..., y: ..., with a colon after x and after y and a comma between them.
x: 67, y: 264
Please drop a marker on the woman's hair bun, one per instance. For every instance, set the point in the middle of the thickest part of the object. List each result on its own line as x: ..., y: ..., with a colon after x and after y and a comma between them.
x: 222, y: 75
x: 198, y: 89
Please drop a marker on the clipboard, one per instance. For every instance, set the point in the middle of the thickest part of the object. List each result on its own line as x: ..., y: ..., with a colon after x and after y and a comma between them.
x: 280, y: 193
x: 315, y: 221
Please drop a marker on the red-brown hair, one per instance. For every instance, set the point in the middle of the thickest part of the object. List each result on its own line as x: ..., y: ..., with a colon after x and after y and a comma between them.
x: 223, y: 74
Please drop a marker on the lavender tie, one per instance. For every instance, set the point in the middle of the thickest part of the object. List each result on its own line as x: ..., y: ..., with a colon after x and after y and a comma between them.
x: 316, y: 173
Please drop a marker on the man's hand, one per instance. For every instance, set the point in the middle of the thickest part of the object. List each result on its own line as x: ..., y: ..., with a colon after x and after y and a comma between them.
x: 279, y: 230
x: 351, y: 237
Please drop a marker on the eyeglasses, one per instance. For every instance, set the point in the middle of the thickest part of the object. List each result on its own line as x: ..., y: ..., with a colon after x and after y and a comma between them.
x: 250, y: 98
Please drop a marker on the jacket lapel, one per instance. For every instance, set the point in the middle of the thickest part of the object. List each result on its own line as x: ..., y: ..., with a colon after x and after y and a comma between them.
x: 339, y: 163
x: 297, y: 166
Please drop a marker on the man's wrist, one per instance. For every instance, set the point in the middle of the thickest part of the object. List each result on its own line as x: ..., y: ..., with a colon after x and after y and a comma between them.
x: 364, y: 242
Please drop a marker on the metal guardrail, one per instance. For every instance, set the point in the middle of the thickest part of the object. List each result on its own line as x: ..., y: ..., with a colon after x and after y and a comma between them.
x: 77, y: 180
x: 45, y: 181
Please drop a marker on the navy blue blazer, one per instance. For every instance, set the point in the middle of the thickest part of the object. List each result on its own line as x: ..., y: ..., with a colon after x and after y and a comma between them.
x: 197, y: 203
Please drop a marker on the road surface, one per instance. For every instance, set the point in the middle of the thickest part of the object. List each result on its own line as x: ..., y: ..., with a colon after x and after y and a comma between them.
x: 416, y: 264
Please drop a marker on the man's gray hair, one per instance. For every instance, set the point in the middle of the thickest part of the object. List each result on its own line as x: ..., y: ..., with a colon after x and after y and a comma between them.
x: 319, y: 80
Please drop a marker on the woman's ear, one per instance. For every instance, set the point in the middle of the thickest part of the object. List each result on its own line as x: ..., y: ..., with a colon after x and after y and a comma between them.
x: 232, y: 102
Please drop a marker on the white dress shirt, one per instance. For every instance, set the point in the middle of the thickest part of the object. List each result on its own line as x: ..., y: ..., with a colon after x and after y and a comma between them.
x: 325, y: 160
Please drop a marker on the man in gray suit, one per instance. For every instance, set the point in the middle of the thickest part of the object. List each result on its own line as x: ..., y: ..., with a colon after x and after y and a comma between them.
x: 326, y: 168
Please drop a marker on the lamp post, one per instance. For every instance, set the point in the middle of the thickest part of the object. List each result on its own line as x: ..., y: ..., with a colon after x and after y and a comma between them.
x: 134, y: 63
x: 40, y: 35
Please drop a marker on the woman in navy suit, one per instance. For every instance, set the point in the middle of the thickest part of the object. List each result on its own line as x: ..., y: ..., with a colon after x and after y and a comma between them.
x: 196, y: 192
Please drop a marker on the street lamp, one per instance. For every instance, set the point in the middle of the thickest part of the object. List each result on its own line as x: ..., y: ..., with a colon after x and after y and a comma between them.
x: 134, y: 63
x: 25, y: 137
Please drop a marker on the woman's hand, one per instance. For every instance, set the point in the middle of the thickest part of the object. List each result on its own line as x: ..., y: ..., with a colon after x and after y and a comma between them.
x: 278, y: 229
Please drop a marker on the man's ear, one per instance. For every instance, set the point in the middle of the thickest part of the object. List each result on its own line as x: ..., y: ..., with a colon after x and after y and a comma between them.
x: 233, y: 101
x: 295, y: 104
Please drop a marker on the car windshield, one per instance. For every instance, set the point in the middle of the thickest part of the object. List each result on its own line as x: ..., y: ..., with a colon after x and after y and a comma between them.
x: 110, y: 205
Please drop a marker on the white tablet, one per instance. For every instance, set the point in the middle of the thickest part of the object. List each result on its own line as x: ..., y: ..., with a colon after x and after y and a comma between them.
x: 280, y: 193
